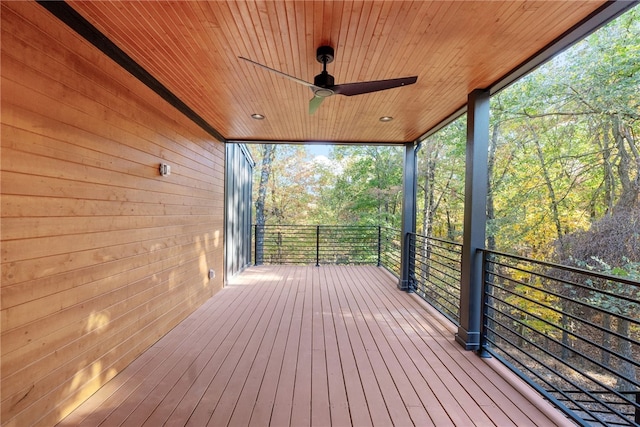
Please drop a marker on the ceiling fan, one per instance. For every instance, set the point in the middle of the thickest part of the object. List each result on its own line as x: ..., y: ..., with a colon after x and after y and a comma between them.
x: 323, y: 84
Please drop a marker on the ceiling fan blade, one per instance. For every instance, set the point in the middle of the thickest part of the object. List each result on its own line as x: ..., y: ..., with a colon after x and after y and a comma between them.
x: 314, y: 103
x: 350, y: 89
x: 295, y: 79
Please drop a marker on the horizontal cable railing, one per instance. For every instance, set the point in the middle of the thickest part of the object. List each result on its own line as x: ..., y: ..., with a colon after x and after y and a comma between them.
x: 390, y: 247
x: 323, y: 244
x: 436, y: 273
x: 572, y: 334
x: 347, y: 245
x: 285, y: 244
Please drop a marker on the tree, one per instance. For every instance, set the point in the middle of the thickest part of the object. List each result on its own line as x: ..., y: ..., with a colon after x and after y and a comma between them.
x: 575, y: 178
x: 441, y: 182
x: 574, y: 121
x: 267, y: 152
x: 368, y: 188
x: 293, y: 189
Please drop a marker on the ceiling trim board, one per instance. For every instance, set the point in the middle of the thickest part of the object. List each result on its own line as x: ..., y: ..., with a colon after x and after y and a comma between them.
x: 67, y: 14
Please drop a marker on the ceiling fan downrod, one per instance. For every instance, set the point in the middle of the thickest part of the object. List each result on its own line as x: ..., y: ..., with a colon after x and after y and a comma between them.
x: 324, y: 80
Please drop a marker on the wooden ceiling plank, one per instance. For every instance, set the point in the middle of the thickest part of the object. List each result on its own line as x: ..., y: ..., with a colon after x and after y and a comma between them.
x: 453, y: 46
x: 253, y: 14
x: 390, y: 33
x: 171, y: 27
x: 380, y: 52
x: 294, y: 17
x: 241, y: 102
x: 274, y: 91
x: 420, y: 44
x: 214, y: 70
x: 381, y: 32
x: 162, y: 27
x: 134, y: 50
x: 368, y: 18
x: 286, y: 91
x: 331, y: 116
x: 345, y: 66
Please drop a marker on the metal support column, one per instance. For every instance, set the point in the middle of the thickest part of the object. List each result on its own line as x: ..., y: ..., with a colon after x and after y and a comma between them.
x: 409, y: 194
x: 475, y: 217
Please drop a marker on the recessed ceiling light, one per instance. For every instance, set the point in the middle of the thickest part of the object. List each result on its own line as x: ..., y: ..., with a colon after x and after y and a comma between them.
x: 386, y: 118
x: 257, y: 116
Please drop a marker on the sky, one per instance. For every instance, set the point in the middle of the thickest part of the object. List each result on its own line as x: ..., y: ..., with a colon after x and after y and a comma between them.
x: 318, y: 150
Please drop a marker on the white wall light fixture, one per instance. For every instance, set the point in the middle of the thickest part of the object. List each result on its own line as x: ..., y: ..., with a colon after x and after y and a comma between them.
x: 165, y: 169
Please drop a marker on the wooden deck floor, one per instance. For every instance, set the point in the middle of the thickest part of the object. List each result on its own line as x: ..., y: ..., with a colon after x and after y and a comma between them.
x: 300, y: 346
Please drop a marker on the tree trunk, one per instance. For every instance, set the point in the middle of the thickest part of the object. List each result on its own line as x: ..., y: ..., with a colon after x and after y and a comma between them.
x: 553, y: 200
x: 427, y: 217
x: 450, y: 227
x: 268, y: 154
x: 491, y: 161
x: 628, y: 165
x: 609, y: 179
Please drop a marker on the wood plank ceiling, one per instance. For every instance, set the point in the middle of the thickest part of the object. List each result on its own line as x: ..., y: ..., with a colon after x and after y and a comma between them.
x: 192, y: 47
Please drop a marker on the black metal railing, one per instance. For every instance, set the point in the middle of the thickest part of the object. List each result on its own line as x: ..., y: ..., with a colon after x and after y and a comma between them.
x: 572, y: 334
x: 435, y: 274
x: 390, y: 246
x: 325, y: 244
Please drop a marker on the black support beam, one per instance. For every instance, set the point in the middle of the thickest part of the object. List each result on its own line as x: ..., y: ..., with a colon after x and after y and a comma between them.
x: 67, y: 14
x: 475, y: 217
x: 409, y: 196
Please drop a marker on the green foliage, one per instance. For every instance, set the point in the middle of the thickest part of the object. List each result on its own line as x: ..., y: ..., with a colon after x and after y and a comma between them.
x: 441, y: 170
x: 530, y: 297
x: 613, y: 299
x: 291, y: 186
x: 366, y: 188
x: 561, y: 151
x: 354, y: 186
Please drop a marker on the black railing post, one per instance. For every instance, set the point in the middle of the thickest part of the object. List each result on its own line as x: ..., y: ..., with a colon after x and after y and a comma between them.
x: 412, y: 242
x: 259, y: 244
x: 317, y: 246
x: 637, y: 413
x: 379, y: 245
x: 485, y: 307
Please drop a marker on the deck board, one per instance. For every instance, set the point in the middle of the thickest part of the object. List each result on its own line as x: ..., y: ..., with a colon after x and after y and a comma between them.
x: 303, y: 346
x: 354, y: 388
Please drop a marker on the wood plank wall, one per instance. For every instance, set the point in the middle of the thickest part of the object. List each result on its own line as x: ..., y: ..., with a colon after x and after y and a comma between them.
x: 101, y: 256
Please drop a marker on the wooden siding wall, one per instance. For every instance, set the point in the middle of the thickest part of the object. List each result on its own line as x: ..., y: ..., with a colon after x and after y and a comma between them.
x: 101, y: 256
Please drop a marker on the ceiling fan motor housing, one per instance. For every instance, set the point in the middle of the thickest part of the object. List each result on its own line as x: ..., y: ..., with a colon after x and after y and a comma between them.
x: 324, y: 80
x: 325, y: 54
